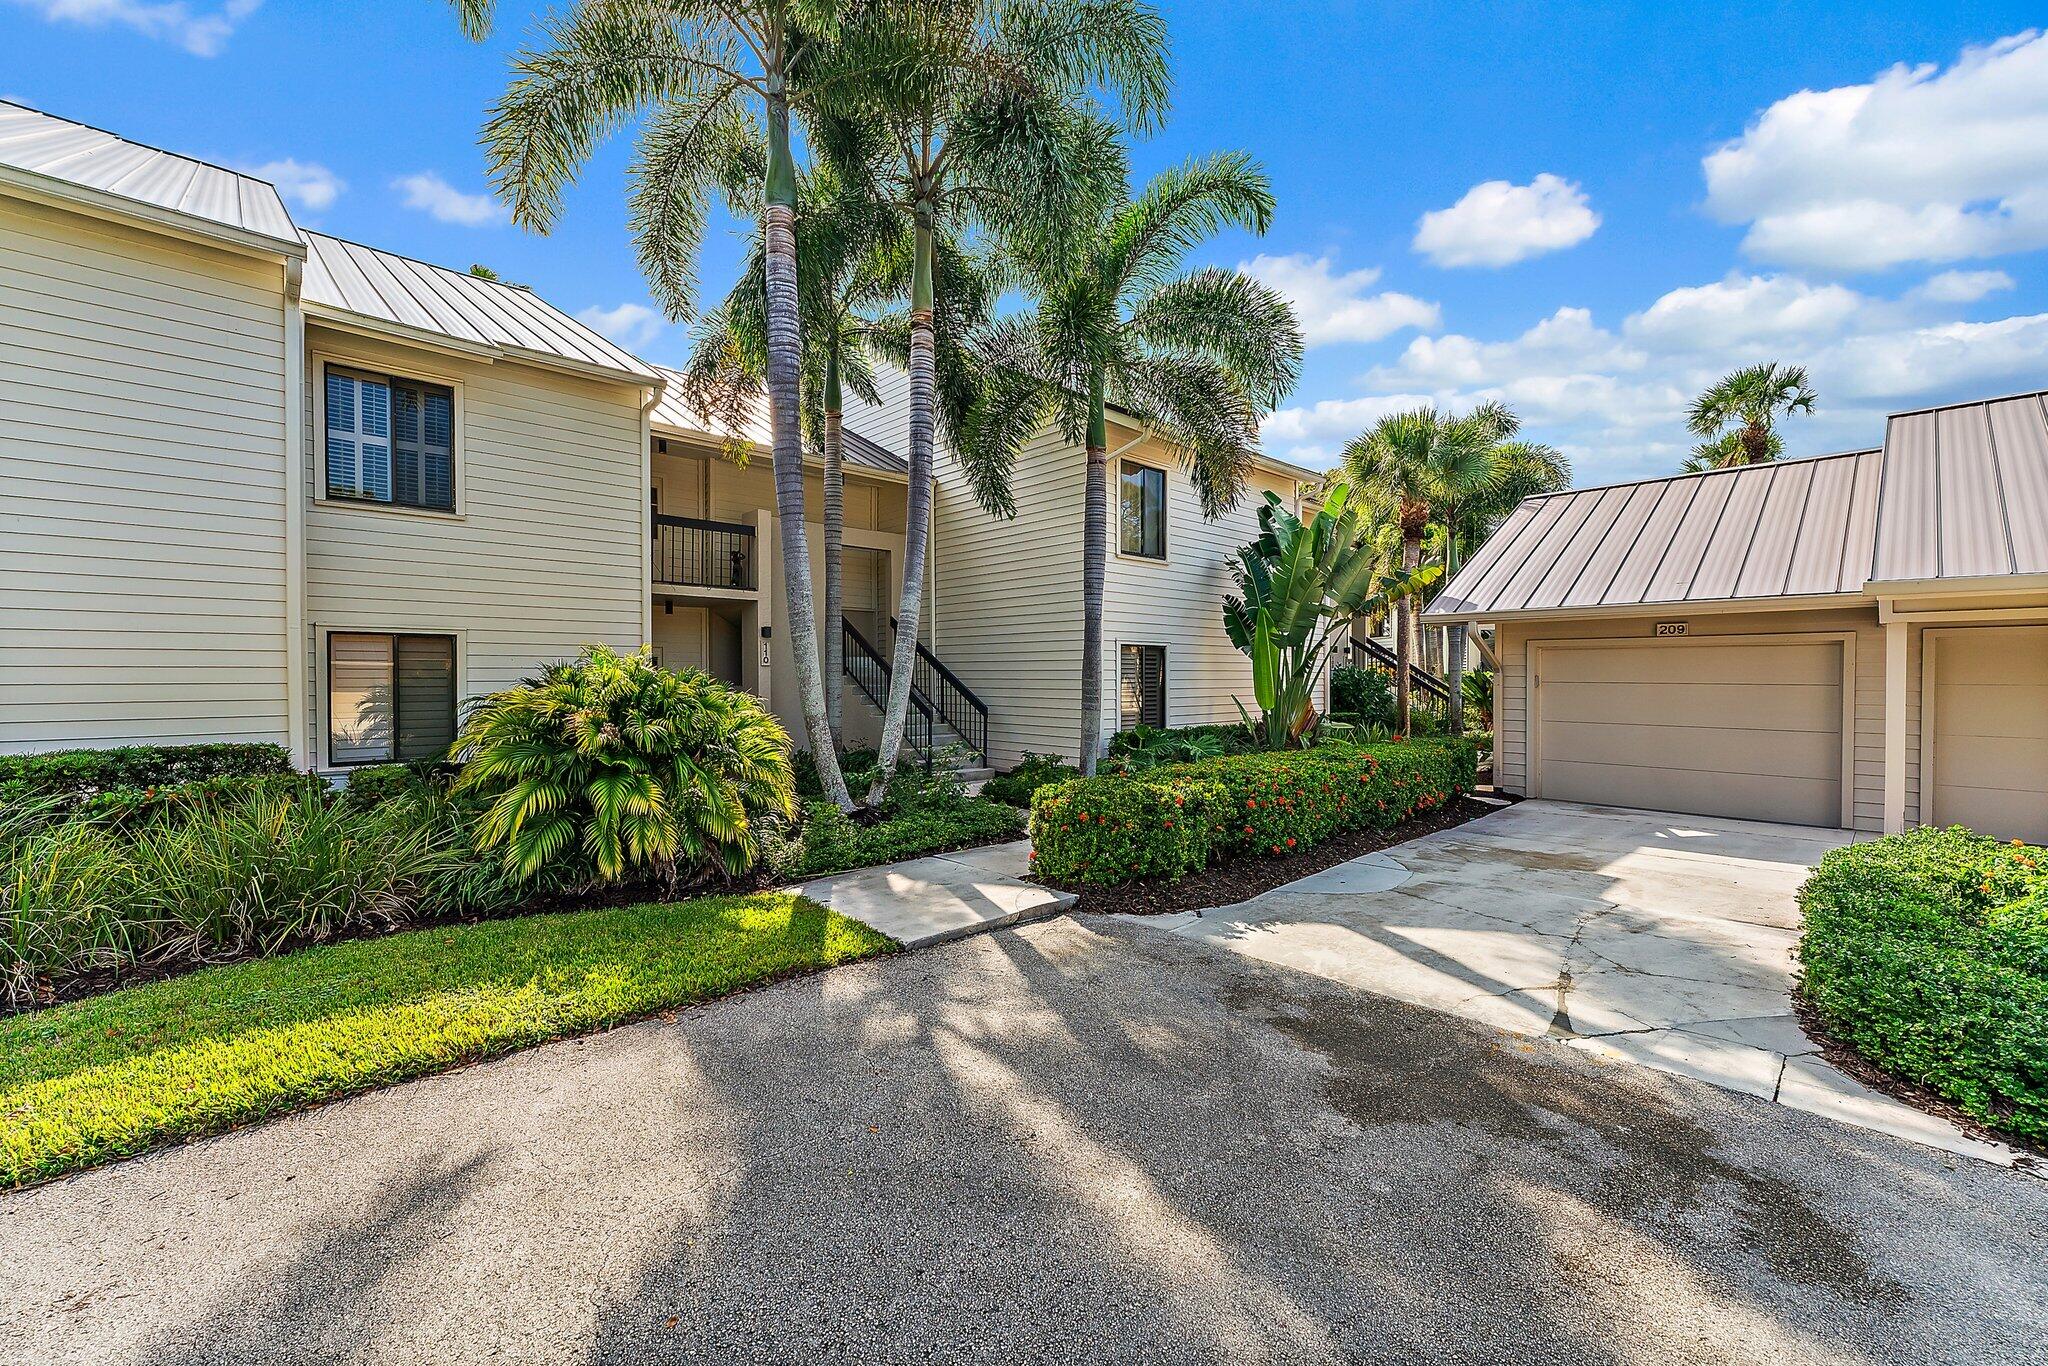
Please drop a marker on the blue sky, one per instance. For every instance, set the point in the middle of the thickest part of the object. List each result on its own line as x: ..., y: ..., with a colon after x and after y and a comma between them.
x: 1588, y: 210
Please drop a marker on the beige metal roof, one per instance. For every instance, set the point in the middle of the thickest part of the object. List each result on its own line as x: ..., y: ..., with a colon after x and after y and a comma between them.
x: 1782, y: 530
x: 414, y: 297
x: 78, y: 162
x: 1965, y: 492
x: 677, y: 415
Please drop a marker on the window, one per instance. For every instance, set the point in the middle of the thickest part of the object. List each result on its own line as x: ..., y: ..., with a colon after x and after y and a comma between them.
x: 390, y: 440
x: 389, y: 697
x: 1142, y: 685
x: 1142, y: 510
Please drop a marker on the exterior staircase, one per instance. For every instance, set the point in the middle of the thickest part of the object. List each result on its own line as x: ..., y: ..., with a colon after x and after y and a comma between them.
x: 1428, y: 692
x: 947, y: 724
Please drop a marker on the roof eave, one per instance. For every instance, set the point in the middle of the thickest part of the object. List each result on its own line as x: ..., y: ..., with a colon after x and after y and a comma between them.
x: 1801, y: 603
x: 99, y: 204
x: 756, y: 449
x: 1975, y: 585
x: 385, y: 330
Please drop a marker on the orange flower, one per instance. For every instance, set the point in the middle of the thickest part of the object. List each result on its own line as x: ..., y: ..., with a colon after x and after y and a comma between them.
x: 1290, y: 841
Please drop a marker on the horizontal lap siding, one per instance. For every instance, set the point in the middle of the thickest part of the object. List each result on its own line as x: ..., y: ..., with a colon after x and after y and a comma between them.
x: 142, y: 469
x: 546, y: 556
x: 1178, y: 602
x: 1867, y: 742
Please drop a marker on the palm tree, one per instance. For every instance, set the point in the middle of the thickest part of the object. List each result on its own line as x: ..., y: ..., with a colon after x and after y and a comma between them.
x: 1196, y: 359
x: 715, y: 80
x: 854, y: 254
x: 979, y: 114
x: 1419, y: 466
x: 1736, y: 419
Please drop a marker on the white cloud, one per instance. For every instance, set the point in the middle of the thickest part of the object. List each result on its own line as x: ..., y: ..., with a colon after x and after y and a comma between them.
x: 1566, y: 341
x: 428, y: 192
x: 203, y: 33
x: 1962, y: 286
x: 629, y: 324
x: 1315, y: 435
x: 1920, y: 164
x: 1745, y: 310
x: 1336, y: 308
x: 1945, y: 357
x: 1497, y: 223
x: 305, y: 183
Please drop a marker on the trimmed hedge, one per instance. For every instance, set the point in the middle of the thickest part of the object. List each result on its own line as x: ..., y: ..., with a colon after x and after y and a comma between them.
x: 1178, y: 818
x: 1927, y: 953
x: 129, y: 776
x: 1032, y: 772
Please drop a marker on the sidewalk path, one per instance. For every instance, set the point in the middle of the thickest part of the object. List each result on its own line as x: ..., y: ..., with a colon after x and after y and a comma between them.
x: 943, y: 896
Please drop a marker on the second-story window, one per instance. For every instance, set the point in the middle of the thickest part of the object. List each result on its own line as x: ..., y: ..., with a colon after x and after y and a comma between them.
x: 1142, y: 510
x: 390, y: 440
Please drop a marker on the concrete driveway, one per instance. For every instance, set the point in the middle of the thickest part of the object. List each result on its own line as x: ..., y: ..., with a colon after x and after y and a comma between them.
x: 1072, y: 1142
x: 1632, y: 936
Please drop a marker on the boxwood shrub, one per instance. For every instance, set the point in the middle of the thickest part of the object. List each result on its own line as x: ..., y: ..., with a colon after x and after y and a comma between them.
x: 1927, y: 953
x: 72, y: 778
x: 1181, y: 817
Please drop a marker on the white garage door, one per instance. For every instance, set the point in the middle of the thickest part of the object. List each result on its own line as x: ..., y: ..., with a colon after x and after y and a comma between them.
x: 1751, y: 730
x: 1990, y: 740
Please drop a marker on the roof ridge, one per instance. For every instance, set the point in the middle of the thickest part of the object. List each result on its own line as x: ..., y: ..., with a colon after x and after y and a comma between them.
x: 1700, y: 474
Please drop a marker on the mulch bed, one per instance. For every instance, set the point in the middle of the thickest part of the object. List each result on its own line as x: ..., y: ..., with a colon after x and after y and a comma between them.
x: 1230, y: 883
x: 1899, y: 1089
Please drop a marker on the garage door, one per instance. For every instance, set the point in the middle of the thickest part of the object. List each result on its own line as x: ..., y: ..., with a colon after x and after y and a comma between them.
x: 1990, y: 740
x: 1751, y: 730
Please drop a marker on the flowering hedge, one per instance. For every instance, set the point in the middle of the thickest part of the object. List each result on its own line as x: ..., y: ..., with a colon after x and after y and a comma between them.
x: 1179, y: 818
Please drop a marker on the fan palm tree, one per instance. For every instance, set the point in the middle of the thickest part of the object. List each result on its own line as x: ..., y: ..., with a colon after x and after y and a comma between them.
x: 980, y: 114
x: 1736, y: 419
x: 1419, y: 466
x: 1194, y: 359
x: 715, y: 80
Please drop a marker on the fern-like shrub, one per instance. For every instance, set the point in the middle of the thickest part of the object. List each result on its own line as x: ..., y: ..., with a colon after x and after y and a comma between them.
x: 608, y: 767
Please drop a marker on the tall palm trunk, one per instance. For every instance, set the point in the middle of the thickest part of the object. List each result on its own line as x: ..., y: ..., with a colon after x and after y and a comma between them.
x: 835, y: 536
x: 1094, y: 569
x: 1454, y: 636
x: 918, y: 505
x: 1404, y: 643
x: 784, y: 411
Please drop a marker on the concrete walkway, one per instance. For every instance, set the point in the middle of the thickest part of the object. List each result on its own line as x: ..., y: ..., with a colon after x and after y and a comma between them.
x: 944, y: 896
x: 1630, y: 936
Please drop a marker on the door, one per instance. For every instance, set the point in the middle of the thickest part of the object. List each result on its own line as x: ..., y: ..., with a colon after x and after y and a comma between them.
x: 867, y: 593
x: 1985, y: 689
x: 1748, y: 728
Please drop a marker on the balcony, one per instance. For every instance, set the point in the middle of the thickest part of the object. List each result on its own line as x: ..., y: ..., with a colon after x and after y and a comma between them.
x: 694, y: 553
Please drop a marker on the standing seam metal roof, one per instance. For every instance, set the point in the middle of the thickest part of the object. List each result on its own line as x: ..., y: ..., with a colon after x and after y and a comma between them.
x: 76, y: 155
x: 1956, y: 493
x: 676, y: 414
x: 351, y: 278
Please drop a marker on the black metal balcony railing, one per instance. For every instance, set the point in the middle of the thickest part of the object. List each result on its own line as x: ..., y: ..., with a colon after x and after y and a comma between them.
x: 703, y: 554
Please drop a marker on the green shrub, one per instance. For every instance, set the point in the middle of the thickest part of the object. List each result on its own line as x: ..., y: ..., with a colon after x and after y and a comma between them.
x: 1107, y: 829
x: 70, y: 778
x: 857, y: 765
x: 380, y: 783
x: 224, y: 877
x: 1927, y: 953
x: 1362, y: 695
x: 1032, y: 772
x: 609, y: 764
x: 128, y: 805
x: 1112, y: 829
x: 824, y: 840
x: 1193, y: 742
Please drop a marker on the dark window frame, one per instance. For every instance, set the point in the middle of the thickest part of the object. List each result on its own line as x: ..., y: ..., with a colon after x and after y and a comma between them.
x: 1124, y: 720
x: 1126, y: 469
x: 397, y: 725
x: 417, y: 501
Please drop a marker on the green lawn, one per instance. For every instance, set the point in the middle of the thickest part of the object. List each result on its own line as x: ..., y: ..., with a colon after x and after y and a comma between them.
x: 104, y: 1078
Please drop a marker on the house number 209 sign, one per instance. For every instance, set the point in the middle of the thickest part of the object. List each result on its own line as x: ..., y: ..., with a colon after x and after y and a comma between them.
x: 1670, y: 628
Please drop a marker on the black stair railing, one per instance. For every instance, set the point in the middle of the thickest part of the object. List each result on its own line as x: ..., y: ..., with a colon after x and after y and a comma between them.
x: 1429, y: 692
x: 956, y: 703
x: 870, y: 673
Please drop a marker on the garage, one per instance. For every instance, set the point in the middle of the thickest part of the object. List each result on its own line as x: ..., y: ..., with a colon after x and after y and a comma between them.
x: 1749, y: 728
x: 1986, y: 694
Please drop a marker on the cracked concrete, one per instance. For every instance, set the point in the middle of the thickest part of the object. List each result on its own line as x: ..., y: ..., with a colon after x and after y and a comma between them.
x: 1632, y: 937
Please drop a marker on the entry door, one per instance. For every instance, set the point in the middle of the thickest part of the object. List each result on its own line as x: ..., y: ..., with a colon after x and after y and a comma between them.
x: 1750, y: 729
x: 1986, y: 693
x: 867, y: 593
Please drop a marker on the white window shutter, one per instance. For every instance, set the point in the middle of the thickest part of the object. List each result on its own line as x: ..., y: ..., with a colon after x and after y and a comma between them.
x: 358, y: 437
